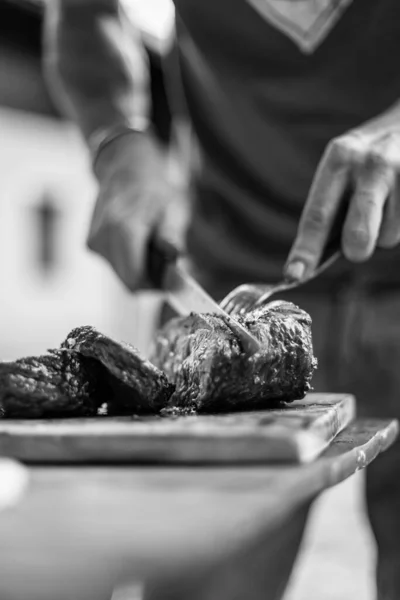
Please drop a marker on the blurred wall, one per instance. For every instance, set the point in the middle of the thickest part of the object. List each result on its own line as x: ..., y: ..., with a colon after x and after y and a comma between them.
x: 49, y: 281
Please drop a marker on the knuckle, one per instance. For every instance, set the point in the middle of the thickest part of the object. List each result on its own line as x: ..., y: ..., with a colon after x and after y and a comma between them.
x: 317, y: 218
x: 392, y: 136
x: 367, y: 199
x: 377, y: 162
x: 340, y: 152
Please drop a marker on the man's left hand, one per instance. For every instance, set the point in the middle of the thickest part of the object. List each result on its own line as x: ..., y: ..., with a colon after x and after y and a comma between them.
x: 366, y: 161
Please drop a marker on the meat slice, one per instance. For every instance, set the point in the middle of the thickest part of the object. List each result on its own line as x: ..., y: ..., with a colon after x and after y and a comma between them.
x: 197, y: 364
x: 135, y: 386
x: 57, y: 384
x: 202, y: 356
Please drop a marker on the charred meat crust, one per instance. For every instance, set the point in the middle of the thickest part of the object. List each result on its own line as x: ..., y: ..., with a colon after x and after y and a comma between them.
x: 135, y: 385
x: 197, y: 365
x: 57, y: 384
x: 203, y: 358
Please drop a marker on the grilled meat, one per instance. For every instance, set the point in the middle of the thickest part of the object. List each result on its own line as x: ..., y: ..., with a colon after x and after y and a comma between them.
x: 197, y: 365
x: 57, y: 384
x: 135, y: 385
x: 202, y: 356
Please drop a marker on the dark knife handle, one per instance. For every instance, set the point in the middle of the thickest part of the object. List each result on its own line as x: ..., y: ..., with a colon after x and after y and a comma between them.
x: 160, y: 254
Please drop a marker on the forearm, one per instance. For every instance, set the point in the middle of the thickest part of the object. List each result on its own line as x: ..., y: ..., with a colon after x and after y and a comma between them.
x: 95, y: 68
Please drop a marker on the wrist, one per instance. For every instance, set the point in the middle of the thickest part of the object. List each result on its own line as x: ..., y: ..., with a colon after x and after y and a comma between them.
x: 134, y: 156
x: 107, y: 144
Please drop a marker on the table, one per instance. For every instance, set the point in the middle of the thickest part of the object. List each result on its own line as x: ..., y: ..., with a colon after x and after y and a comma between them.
x: 192, y: 533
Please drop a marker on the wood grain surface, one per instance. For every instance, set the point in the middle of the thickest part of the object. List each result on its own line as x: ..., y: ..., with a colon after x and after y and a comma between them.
x: 297, y: 433
x: 81, y: 529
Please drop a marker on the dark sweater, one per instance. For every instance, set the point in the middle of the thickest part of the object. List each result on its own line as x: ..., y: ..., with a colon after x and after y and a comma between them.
x: 264, y: 109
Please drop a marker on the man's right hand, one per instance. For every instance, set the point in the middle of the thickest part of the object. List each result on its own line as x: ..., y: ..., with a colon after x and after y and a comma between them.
x: 97, y: 67
x: 135, y: 202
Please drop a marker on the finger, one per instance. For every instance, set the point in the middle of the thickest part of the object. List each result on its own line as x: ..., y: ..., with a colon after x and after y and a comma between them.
x: 128, y: 251
x: 389, y: 235
x: 327, y: 191
x: 98, y: 238
x: 112, y: 238
x: 364, y: 218
x: 116, y: 234
x: 99, y: 242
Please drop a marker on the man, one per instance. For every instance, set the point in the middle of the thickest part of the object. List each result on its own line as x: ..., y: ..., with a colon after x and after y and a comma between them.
x: 295, y: 110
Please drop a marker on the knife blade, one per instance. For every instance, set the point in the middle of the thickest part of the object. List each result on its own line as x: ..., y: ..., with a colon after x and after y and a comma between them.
x: 167, y: 271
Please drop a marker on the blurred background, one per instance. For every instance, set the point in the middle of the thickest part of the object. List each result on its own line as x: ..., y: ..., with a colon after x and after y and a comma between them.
x: 50, y: 283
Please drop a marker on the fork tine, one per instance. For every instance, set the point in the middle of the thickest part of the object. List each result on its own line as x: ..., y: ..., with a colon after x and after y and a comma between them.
x: 229, y: 307
x: 232, y: 309
x: 243, y: 299
x: 262, y: 300
x: 227, y: 302
x: 243, y: 306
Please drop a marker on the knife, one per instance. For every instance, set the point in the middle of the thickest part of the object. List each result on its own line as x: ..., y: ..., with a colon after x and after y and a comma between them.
x: 184, y: 294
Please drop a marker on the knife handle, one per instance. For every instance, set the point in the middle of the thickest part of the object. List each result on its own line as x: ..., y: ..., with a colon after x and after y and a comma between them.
x: 160, y: 254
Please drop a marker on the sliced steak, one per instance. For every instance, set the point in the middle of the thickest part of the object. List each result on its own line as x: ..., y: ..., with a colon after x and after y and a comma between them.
x: 135, y: 385
x: 57, y: 384
x: 202, y: 356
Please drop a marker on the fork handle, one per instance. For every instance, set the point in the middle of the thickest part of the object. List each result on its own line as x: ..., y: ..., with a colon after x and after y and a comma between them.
x: 327, y: 260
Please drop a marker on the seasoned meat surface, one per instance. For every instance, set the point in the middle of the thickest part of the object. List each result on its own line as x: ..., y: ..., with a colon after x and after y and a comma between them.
x: 135, y: 385
x: 57, y: 384
x: 197, y: 365
x: 202, y: 356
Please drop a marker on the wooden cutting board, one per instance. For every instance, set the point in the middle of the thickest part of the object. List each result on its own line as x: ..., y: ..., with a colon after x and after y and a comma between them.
x: 298, y: 432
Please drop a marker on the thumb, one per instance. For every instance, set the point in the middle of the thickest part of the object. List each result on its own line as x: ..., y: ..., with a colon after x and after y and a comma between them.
x: 295, y: 270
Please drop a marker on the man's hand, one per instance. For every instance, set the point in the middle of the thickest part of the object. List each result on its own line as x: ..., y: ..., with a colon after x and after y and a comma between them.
x: 367, y: 163
x: 135, y: 201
